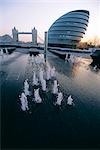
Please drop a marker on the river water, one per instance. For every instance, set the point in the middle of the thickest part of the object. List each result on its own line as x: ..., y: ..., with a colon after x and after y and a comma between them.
x: 47, y: 126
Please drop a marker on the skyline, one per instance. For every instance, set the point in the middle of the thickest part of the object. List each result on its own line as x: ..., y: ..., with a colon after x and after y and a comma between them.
x: 25, y: 15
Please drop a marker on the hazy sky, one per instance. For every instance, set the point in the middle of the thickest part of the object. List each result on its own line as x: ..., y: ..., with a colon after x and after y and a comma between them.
x: 25, y: 14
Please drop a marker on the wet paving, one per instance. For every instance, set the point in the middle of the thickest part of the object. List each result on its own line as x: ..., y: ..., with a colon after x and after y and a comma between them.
x: 47, y: 126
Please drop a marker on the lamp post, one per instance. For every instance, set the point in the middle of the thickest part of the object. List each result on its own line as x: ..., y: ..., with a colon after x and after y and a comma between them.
x: 45, y: 44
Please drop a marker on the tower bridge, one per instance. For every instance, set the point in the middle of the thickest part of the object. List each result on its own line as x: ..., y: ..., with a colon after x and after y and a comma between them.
x: 24, y: 33
x: 15, y: 34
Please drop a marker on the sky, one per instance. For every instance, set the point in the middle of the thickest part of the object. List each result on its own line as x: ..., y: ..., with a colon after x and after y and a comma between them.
x: 27, y: 14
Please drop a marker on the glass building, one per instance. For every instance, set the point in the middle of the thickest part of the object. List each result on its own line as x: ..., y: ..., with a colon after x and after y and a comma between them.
x: 68, y: 30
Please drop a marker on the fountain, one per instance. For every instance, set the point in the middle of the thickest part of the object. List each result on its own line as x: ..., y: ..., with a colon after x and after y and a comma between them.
x: 41, y: 75
x: 26, y: 91
x: 43, y: 83
x: 66, y: 57
x: 6, y: 51
x: 48, y: 72
x: 1, y: 52
x: 24, y: 102
x: 95, y: 68
x: 72, y: 58
x: 42, y: 58
x: 35, y: 80
x: 55, y: 87
x: 29, y: 59
x: 26, y: 87
x: 39, y: 59
x: 59, y: 99
x: 37, y: 96
x: 33, y: 59
x: 53, y: 74
x: 26, y: 83
x: 70, y: 101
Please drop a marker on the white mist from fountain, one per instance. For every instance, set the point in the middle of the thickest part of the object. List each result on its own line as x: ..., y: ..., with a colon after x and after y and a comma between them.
x: 2, y: 56
x: 37, y: 96
x: 72, y: 58
x: 53, y: 73
x: 39, y: 59
x: 29, y: 59
x: 70, y: 101
x: 55, y: 87
x: 26, y: 87
x: 42, y: 58
x: 48, y: 72
x: 33, y: 59
x: 26, y: 83
x: 35, y: 79
x: 24, y: 102
x: 95, y: 68
x: 1, y: 52
x: 41, y: 75
x: 59, y: 99
x: 66, y: 58
x: 43, y: 83
x: 6, y: 51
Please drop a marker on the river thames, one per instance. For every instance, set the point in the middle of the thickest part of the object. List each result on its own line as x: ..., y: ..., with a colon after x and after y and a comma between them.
x: 46, y: 126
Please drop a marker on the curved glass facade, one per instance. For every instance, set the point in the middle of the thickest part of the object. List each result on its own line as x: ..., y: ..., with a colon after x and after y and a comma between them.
x: 68, y: 30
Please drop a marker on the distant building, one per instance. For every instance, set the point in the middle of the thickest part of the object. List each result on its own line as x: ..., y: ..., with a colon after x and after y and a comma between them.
x: 68, y: 30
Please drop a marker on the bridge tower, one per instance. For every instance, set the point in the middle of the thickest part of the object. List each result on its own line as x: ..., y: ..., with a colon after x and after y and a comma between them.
x: 34, y: 36
x: 15, y: 34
